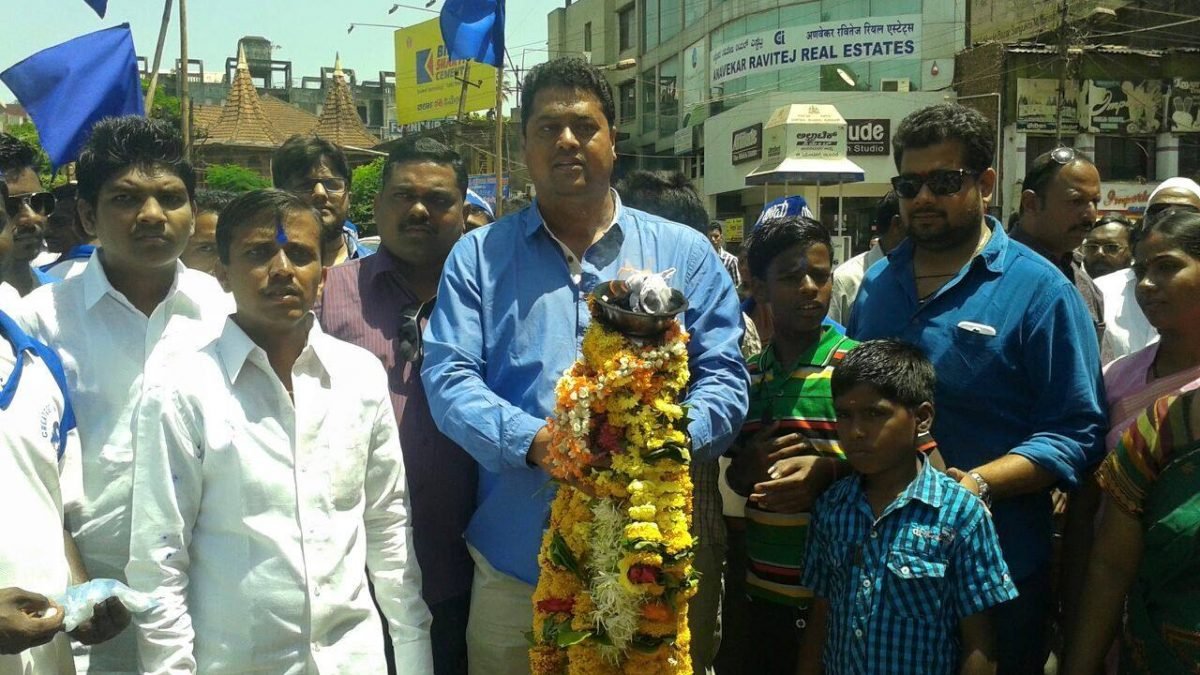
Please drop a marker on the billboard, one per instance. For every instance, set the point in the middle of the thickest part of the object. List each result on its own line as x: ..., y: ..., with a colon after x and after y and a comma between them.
x: 429, y: 84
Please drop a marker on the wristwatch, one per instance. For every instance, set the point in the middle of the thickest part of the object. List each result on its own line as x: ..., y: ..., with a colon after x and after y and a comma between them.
x: 985, y: 490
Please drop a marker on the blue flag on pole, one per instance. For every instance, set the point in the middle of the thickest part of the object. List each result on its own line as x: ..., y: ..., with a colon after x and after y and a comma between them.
x: 474, y: 30
x: 69, y: 87
x: 101, y: 6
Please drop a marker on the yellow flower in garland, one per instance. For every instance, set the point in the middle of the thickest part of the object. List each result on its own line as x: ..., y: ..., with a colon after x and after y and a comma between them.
x: 616, y: 560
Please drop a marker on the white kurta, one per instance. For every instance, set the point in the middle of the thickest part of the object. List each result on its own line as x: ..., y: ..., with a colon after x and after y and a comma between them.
x: 256, y: 520
x: 1127, y: 328
x: 31, y: 483
x: 105, y: 344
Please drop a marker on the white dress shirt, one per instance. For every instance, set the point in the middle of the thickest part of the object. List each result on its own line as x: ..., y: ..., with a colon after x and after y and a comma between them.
x: 1127, y: 328
x: 258, y: 521
x: 10, y: 297
x: 105, y: 344
x: 847, y: 278
x: 31, y: 479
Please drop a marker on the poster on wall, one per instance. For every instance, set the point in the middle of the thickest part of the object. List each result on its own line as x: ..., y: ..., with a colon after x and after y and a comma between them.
x: 1037, y: 105
x: 695, y: 75
x: 1120, y: 107
x: 1183, y: 106
x: 875, y: 38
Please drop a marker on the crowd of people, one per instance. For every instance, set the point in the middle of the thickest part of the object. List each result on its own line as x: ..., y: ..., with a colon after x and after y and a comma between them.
x: 970, y: 449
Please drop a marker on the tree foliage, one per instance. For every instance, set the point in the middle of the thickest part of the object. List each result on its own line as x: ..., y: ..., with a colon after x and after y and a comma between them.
x: 164, y: 106
x: 234, y: 178
x: 365, y: 184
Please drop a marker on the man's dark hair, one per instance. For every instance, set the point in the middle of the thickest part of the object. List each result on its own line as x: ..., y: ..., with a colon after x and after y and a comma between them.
x: 1111, y: 218
x: 64, y: 197
x: 886, y: 210
x: 946, y: 122
x: 213, y: 201
x: 716, y: 226
x: 16, y: 155
x: 568, y: 73
x: 426, y: 150
x: 299, y: 154
x: 777, y: 235
x: 249, y: 207
x: 898, y: 371
x: 1043, y: 169
x: 118, y: 143
x: 666, y: 194
x: 1179, y: 226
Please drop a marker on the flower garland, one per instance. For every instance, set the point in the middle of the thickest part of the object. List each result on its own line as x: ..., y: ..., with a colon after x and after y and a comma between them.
x: 615, y: 561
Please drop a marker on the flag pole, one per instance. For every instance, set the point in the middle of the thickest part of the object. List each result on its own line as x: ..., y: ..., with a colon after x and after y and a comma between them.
x: 500, y: 138
x: 158, y: 51
x: 184, y: 102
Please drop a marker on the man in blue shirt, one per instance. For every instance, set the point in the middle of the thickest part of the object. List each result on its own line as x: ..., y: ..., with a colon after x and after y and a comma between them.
x: 511, y: 313
x: 1019, y: 389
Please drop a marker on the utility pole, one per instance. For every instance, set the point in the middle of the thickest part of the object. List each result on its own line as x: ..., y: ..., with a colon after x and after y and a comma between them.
x: 158, y: 51
x: 1063, y: 55
x: 500, y: 137
x: 184, y: 101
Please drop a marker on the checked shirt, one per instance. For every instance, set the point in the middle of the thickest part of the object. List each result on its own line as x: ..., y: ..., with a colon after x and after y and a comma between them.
x: 898, y: 586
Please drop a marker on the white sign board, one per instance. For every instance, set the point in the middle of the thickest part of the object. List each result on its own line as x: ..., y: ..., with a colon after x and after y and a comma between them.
x: 832, y: 42
x: 1126, y: 197
x: 695, y: 75
x: 805, y: 132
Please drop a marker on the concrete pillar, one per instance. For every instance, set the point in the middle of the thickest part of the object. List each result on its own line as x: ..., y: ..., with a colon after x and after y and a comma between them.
x: 1166, y: 156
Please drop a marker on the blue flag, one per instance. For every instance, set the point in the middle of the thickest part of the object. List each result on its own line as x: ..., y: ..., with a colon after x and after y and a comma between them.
x: 101, y: 6
x: 69, y: 87
x: 474, y: 30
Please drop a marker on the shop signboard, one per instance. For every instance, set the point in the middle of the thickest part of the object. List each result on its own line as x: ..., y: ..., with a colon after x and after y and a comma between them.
x: 1037, y: 105
x: 732, y: 228
x: 1183, y: 106
x: 747, y: 143
x: 1121, y: 107
x: 869, y: 136
x: 428, y: 84
x: 1125, y: 197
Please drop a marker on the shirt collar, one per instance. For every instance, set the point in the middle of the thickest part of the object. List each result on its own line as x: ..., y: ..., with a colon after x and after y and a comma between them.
x: 992, y: 253
x: 235, y: 348
x: 926, y: 488
x: 1063, y: 263
x: 381, y: 264
x: 534, y: 220
x: 96, y: 284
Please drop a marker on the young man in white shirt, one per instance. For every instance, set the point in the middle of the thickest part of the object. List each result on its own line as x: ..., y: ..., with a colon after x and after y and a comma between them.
x: 136, y: 195
x: 270, y: 485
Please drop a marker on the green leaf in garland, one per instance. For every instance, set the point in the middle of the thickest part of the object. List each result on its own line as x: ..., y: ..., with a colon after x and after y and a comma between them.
x: 671, y: 452
x: 566, y: 638
x: 561, y: 555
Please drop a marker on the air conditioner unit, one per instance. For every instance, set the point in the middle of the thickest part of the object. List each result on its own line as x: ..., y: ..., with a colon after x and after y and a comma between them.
x: 900, y: 84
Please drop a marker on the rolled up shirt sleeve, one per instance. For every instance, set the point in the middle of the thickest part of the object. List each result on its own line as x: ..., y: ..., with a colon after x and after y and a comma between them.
x: 1062, y: 359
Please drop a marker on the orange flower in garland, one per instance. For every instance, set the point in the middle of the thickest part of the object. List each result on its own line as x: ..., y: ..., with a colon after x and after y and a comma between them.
x: 615, y: 560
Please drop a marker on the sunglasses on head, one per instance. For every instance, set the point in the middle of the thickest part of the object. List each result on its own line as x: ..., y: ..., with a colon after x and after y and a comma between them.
x: 941, y: 182
x: 1162, y: 207
x: 41, y: 203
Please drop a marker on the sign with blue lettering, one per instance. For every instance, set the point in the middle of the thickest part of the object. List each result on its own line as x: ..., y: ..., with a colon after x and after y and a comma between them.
x: 832, y: 42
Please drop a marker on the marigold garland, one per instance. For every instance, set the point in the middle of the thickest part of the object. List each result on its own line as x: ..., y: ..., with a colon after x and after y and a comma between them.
x: 615, y: 560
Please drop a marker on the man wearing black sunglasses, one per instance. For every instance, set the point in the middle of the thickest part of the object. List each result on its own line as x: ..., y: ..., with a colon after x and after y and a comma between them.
x: 27, y: 207
x: 381, y: 303
x: 1020, y: 407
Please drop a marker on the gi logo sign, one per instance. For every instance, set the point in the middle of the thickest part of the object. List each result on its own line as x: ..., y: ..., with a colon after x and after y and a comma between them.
x: 747, y: 143
x: 868, y: 137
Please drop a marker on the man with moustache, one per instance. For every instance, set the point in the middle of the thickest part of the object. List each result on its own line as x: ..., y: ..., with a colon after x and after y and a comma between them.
x: 109, y: 322
x: 28, y: 205
x: 1108, y: 246
x: 382, y: 303
x: 270, y: 484
x: 1058, y: 209
x: 1020, y: 403
x: 511, y: 314
x: 316, y: 170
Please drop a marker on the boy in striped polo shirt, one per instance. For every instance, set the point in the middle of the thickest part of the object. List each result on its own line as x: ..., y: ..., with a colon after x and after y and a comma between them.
x: 788, y: 452
x: 904, y: 561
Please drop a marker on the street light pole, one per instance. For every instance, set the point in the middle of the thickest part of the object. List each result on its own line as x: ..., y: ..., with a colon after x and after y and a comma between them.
x: 185, y: 107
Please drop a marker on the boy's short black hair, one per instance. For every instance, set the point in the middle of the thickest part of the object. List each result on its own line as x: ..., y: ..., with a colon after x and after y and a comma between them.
x: 118, y: 143
x: 778, y: 235
x: 213, y: 201
x: 16, y: 155
x: 899, y: 371
x: 944, y: 122
x: 426, y: 150
x: 568, y: 73
x: 248, y: 207
x: 299, y: 154
x: 666, y: 194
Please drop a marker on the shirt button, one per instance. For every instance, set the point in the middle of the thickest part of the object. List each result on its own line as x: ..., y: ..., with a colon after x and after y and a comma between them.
x: 905, y: 571
x: 874, y: 534
x: 858, y: 633
x: 866, y: 583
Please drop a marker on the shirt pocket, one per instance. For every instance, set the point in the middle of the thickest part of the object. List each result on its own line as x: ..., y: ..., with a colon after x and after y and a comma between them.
x: 914, y: 585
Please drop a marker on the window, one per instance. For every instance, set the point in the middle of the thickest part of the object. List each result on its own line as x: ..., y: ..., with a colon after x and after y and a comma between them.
x: 1189, y: 155
x: 587, y: 36
x: 1038, y: 145
x: 627, y: 100
x: 670, y: 16
x: 649, y: 25
x: 668, y: 96
x: 625, y: 28
x: 1125, y: 158
x: 649, y: 100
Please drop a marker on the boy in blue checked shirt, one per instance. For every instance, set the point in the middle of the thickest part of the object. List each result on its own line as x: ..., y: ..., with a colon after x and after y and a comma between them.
x: 902, y: 560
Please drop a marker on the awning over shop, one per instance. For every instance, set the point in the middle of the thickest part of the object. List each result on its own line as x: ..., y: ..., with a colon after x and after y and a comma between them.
x: 796, y: 171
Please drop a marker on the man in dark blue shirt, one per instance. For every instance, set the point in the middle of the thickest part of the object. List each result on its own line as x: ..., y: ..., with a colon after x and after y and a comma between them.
x: 1020, y: 398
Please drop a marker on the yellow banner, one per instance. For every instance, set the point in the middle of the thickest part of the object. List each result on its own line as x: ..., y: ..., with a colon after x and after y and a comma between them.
x: 732, y: 229
x: 428, y: 84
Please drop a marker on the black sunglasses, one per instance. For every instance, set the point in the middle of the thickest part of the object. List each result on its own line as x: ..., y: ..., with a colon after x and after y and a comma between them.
x: 941, y: 182
x: 41, y: 203
x: 412, y: 347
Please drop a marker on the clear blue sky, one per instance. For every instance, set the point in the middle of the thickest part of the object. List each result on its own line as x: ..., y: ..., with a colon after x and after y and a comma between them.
x: 309, y: 31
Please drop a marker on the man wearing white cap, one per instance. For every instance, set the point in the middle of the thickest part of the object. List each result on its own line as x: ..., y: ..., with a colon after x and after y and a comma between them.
x: 477, y: 211
x: 1128, y: 329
